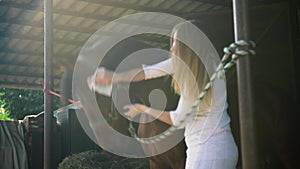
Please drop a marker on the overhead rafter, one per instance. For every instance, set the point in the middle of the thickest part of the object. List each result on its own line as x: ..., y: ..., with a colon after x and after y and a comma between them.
x: 22, y: 85
x: 40, y: 38
x: 37, y: 6
x: 21, y: 24
x: 32, y: 86
x: 226, y: 3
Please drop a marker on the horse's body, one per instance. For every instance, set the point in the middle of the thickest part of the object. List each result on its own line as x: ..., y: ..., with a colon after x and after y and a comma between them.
x: 175, y: 157
x: 139, y: 92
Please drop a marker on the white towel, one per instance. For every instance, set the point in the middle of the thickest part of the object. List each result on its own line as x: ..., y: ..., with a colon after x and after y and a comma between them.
x: 101, y: 89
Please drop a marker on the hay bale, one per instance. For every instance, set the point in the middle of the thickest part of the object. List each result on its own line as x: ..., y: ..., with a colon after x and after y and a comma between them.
x: 99, y: 159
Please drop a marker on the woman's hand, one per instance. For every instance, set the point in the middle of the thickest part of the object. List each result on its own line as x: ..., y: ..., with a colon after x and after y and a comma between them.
x: 103, y: 77
x: 136, y: 109
x: 133, y: 110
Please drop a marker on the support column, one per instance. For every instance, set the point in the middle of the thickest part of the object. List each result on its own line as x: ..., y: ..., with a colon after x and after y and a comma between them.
x: 245, y: 93
x: 48, y: 82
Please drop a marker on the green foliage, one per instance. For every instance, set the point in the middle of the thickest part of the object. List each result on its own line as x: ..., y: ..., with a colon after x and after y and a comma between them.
x: 97, y: 159
x: 4, y: 114
x: 22, y: 102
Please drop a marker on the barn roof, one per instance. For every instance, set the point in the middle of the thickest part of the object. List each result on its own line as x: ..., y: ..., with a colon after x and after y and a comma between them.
x: 21, y: 30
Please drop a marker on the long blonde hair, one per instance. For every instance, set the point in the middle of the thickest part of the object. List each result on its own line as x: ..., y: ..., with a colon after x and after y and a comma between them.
x: 194, y: 65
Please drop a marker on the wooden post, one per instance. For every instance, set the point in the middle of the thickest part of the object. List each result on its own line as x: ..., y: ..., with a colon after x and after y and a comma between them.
x: 48, y: 82
x: 245, y: 93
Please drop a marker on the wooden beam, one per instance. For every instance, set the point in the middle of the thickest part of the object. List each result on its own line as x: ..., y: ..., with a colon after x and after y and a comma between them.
x: 25, y: 74
x: 29, y: 53
x: 226, y: 3
x: 36, y: 6
x: 33, y: 53
x: 19, y: 21
x: 21, y: 86
x: 32, y: 86
x: 79, y: 29
x: 245, y: 88
x: 80, y: 43
x: 39, y: 38
x: 15, y: 64
x: 145, y: 8
x: 67, y: 12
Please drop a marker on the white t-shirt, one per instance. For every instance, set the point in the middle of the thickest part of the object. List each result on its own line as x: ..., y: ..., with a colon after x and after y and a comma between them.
x: 209, y: 139
x: 197, y: 131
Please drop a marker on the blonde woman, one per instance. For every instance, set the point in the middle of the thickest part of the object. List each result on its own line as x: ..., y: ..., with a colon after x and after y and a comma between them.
x: 207, y: 132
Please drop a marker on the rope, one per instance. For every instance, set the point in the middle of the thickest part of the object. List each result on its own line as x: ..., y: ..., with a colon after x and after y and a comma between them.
x: 226, y: 63
x: 58, y: 95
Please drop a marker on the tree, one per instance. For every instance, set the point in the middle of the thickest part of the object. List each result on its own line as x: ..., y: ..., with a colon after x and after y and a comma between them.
x: 21, y: 102
x: 4, y: 114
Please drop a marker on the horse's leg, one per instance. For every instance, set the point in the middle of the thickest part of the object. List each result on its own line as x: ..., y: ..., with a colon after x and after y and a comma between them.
x: 148, y: 127
x: 179, y: 158
x: 175, y: 158
x: 171, y: 159
x: 159, y: 163
x: 166, y: 161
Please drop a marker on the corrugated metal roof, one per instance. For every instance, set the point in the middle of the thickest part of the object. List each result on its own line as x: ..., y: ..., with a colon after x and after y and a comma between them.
x: 21, y: 30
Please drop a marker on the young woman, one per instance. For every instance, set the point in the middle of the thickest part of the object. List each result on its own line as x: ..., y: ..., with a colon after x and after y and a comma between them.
x: 207, y: 132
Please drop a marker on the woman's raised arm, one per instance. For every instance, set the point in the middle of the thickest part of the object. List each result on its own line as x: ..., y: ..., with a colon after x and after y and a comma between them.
x: 106, y: 77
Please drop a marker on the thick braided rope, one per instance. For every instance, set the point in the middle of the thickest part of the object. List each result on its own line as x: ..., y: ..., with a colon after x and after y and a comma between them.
x: 226, y: 63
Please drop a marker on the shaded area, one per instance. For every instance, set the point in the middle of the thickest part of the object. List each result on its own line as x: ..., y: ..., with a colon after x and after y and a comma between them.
x: 12, y: 148
x: 96, y: 159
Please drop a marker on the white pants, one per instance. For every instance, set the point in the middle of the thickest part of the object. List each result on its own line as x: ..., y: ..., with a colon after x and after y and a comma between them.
x: 218, y: 152
x: 211, y: 164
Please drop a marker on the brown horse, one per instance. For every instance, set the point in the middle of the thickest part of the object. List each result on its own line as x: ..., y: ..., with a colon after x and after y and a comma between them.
x: 139, y: 93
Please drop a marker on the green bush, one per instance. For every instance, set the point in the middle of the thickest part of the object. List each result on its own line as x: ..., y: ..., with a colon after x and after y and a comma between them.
x: 22, y: 102
x: 96, y: 159
x: 4, y: 113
